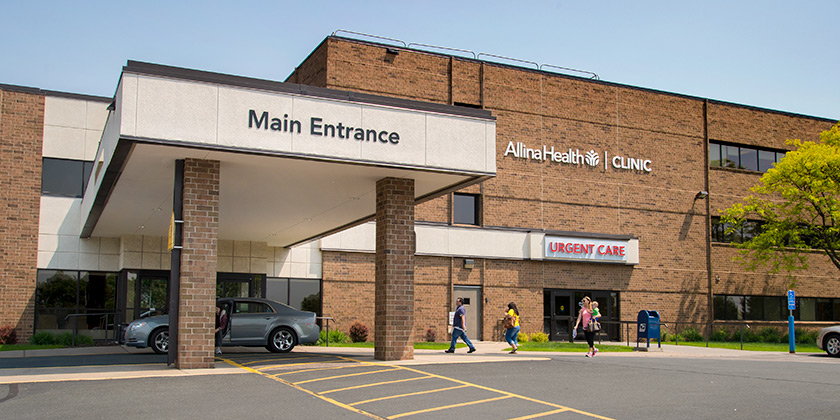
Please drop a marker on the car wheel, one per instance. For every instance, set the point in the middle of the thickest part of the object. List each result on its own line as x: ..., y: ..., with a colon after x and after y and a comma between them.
x: 159, y: 340
x: 281, y: 340
x: 832, y: 345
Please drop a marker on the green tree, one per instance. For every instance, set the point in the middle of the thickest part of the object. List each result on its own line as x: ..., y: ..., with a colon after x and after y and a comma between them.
x: 798, y: 202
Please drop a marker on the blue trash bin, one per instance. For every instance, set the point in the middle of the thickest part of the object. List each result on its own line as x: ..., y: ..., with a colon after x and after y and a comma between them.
x: 647, y: 327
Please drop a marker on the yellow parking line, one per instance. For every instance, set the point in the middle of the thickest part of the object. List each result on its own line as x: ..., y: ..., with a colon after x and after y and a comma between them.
x: 297, y: 364
x: 547, y: 413
x: 464, y: 404
x: 521, y: 397
x: 344, y: 376
x: 408, y: 395
x: 272, y: 360
x: 317, y: 369
x: 375, y: 384
x: 299, y: 388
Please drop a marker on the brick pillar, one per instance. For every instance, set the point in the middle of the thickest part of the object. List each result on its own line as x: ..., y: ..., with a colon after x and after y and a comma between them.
x: 21, y: 140
x: 394, y: 322
x: 197, y: 316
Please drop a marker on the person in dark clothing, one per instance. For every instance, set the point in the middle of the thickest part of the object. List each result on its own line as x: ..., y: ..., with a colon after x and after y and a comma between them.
x: 221, y: 327
x: 459, y: 327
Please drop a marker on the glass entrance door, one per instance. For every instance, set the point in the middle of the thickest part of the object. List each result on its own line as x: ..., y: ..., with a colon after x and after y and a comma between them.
x: 142, y: 293
x: 560, y: 310
x: 559, y: 313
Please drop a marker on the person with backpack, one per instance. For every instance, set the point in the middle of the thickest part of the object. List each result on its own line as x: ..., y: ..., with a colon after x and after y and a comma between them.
x: 511, y: 322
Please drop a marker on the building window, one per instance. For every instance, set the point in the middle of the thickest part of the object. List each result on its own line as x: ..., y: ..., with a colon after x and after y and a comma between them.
x: 303, y: 294
x: 64, y: 177
x: 63, y: 300
x: 756, y: 159
x: 774, y: 308
x: 465, y: 209
x: 749, y: 230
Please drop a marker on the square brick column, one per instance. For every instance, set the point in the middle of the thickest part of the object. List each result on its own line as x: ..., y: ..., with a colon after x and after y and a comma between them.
x: 395, y: 246
x: 197, y: 312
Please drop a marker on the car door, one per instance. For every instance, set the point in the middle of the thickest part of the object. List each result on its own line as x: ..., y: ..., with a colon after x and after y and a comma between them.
x: 249, y: 322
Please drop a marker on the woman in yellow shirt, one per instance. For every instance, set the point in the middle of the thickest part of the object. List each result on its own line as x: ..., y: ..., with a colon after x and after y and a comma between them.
x: 512, y: 333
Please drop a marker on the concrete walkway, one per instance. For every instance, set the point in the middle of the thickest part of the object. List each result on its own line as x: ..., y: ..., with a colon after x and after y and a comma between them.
x: 487, y: 352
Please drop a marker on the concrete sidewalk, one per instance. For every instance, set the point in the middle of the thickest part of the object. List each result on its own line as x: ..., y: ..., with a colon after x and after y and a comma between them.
x: 487, y: 352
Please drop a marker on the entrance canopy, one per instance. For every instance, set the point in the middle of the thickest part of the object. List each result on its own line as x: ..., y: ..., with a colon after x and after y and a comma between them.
x: 296, y: 162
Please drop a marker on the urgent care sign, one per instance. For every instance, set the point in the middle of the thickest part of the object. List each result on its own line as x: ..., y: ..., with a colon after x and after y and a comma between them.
x: 622, y: 251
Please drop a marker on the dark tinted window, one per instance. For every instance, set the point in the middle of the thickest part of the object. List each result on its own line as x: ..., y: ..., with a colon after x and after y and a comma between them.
x: 466, y: 209
x: 62, y: 177
x: 774, y: 308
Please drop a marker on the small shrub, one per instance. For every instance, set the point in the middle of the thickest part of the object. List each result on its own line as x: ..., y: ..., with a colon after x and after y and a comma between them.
x: 359, y: 332
x: 66, y: 340
x: 431, y: 335
x: 539, y: 337
x: 721, y: 334
x: 691, y: 334
x: 521, y: 337
x: 770, y: 335
x: 43, y: 338
x: 336, y: 336
x: 751, y: 336
x: 8, y: 335
x: 804, y: 336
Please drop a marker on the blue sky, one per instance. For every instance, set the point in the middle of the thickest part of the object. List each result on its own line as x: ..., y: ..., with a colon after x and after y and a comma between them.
x: 772, y: 54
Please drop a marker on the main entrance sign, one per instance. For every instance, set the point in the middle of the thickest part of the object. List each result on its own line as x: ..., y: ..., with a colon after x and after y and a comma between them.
x: 317, y: 127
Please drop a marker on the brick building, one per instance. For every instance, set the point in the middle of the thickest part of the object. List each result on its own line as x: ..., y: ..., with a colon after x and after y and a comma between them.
x: 597, y: 189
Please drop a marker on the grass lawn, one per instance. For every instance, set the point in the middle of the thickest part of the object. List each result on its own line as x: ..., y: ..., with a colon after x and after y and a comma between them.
x: 777, y: 347
x: 13, y: 347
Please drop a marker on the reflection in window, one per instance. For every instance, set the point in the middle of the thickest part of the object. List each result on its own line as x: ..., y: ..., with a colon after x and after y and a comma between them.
x: 774, y: 308
x: 765, y: 160
x: 748, y: 230
x: 730, y: 156
x: 714, y: 154
x: 302, y: 294
x: 742, y: 157
x: 61, y: 296
x: 749, y: 159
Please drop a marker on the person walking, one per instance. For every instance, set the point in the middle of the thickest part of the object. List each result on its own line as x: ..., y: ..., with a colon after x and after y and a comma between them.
x: 512, y: 333
x: 459, y: 327
x: 585, y: 314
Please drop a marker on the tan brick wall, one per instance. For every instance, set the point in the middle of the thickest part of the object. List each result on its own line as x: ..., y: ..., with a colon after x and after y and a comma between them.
x: 196, y: 320
x: 21, y: 140
x: 659, y: 208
